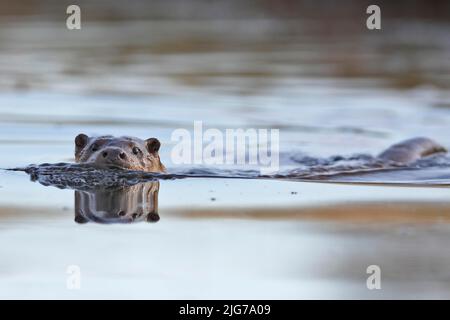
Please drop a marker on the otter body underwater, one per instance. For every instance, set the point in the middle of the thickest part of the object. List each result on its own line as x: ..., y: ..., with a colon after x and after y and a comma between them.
x: 142, y: 155
x: 108, y: 161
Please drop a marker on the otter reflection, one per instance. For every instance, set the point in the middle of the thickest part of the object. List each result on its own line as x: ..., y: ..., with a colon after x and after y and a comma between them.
x: 118, y: 205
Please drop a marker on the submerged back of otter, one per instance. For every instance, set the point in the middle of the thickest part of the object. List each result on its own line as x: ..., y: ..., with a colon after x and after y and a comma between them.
x: 125, y: 152
x: 410, y: 150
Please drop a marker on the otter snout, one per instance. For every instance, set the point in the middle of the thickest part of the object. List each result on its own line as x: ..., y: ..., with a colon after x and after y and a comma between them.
x: 112, y: 155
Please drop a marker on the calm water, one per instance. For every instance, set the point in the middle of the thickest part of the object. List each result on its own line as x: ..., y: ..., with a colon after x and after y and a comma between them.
x: 329, y: 93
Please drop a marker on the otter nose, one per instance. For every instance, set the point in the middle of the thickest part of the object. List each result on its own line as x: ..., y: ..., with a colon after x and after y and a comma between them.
x: 114, y: 154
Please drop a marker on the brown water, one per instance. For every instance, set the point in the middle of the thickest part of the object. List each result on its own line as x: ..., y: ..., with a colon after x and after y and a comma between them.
x: 330, y: 89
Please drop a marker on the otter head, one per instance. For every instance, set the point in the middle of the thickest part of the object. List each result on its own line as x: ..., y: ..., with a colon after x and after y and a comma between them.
x: 124, y: 152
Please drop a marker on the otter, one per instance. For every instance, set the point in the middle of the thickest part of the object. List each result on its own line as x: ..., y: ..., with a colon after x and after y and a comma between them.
x: 122, y: 204
x: 135, y: 154
x: 124, y: 152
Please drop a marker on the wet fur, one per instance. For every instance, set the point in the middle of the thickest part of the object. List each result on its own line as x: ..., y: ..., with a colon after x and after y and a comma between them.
x: 411, y: 150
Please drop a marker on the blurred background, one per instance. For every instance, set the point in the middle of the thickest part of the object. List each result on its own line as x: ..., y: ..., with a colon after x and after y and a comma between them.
x: 310, y: 68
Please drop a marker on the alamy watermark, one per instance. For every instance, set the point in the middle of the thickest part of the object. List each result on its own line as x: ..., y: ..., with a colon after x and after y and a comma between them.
x: 259, y: 147
x: 374, y: 280
x: 73, y: 281
x: 73, y: 21
x: 373, y: 22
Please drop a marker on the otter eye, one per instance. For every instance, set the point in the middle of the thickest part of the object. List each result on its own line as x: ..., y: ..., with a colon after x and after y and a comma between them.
x: 136, y: 150
x: 94, y: 147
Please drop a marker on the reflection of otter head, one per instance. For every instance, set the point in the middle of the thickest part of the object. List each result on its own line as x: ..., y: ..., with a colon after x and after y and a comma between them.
x: 124, y: 152
x: 122, y: 205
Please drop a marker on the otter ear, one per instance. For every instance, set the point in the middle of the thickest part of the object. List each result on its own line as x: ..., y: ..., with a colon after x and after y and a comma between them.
x: 81, y: 141
x: 152, y: 145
